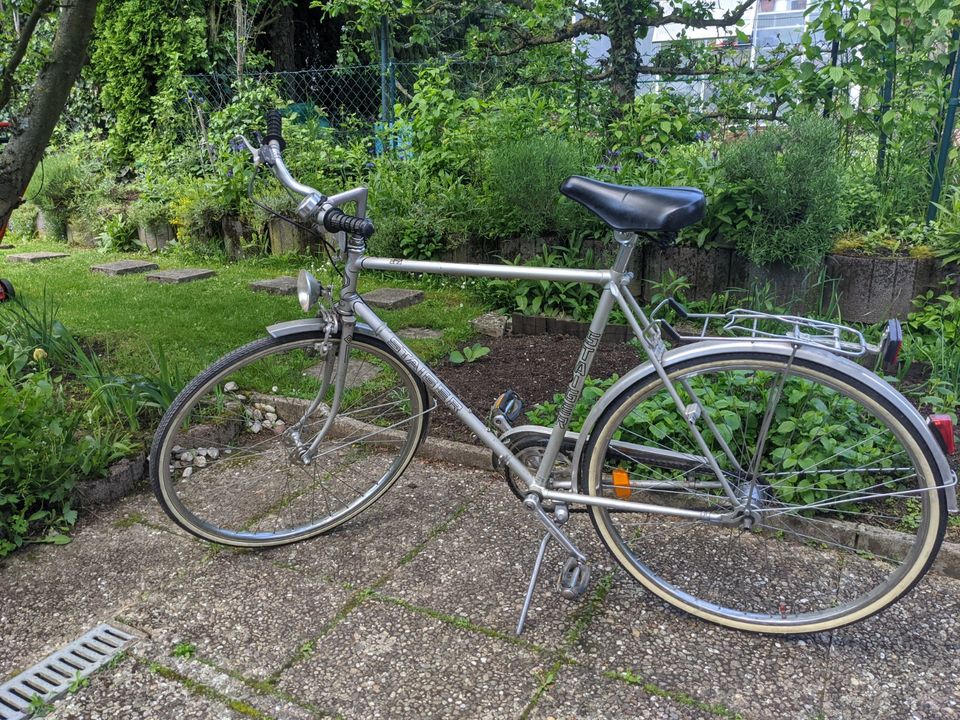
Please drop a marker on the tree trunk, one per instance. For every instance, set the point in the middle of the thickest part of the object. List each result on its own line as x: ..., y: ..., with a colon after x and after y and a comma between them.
x: 621, y: 30
x: 49, y: 94
x: 282, y: 40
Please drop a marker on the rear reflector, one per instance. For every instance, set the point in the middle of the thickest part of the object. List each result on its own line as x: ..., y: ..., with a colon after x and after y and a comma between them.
x: 892, y: 344
x: 621, y: 483
x: 943, y: 425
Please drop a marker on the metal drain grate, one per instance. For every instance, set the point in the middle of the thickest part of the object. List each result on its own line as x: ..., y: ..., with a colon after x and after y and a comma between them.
x: 51, y: 677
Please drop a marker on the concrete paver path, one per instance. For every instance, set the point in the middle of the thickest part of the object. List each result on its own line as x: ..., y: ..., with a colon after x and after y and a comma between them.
x: 407, y: 611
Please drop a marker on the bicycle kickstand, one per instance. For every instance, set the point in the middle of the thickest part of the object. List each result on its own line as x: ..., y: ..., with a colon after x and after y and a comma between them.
x: 533, y: 581
x: 575, y: 575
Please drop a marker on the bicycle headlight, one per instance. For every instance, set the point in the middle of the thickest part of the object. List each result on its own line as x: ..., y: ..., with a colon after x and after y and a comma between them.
x: 308, y: 290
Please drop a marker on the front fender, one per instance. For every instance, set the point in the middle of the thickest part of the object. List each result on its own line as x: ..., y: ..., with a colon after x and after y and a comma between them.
x: 306, y: 325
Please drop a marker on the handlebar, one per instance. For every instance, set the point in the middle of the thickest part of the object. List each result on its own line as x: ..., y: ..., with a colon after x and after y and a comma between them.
x: 315, y: 205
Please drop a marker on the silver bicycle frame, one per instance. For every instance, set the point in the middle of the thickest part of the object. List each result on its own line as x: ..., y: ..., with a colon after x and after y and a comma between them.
x: 614, y: 281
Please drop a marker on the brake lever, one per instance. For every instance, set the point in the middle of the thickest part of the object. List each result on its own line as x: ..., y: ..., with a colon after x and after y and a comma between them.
x: 240, y: 143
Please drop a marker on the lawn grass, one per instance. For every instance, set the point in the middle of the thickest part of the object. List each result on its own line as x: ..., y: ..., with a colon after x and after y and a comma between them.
x: 128, y: 317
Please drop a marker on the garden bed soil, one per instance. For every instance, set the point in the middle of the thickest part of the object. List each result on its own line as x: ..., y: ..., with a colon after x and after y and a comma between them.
x: 536, y: 367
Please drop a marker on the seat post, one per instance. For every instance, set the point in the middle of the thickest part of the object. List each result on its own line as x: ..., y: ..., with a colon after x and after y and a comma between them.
x: 627, y: 241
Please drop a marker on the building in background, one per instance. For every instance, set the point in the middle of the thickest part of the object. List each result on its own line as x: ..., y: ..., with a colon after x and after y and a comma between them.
x: 767, y: 24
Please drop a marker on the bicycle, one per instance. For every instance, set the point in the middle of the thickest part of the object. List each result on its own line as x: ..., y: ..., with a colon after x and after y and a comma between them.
x: 759, y: 479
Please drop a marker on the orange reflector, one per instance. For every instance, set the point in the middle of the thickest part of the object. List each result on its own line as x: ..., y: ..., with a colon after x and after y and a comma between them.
x: 621, y: 483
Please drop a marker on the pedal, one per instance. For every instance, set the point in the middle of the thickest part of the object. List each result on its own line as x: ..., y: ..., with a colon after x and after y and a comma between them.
x: 506, y: 410
x: 574, y: 579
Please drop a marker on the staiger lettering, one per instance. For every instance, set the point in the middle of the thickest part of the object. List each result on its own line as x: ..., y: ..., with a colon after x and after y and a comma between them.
x: 590, y: 345
x: 434, y: 384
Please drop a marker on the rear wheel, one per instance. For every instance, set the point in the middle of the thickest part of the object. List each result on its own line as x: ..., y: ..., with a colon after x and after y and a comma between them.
x: 836, y: 518
x: 225, y: 464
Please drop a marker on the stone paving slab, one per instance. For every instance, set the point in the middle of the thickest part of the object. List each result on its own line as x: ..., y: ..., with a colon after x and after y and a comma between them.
x: 418, y: 333
x: 580, y: 693
x: 182, y: 275
x: 246, y: 612
x: 758, y: 676
x: 33, y: 257
x: 109, y: 697
x: 392, y: 298
x: 904, y: 662
x: 480, y: 570
x: 50, y: 596
x: 208, y: 680
x: 124, y: 267
x: 283, y: 285
x: 372, y: 544
x: 385, y: 661
x: 236, y: 599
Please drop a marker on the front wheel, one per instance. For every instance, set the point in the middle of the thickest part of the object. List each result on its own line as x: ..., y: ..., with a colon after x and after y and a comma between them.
x: 226, y: 465
x: 839, y: 514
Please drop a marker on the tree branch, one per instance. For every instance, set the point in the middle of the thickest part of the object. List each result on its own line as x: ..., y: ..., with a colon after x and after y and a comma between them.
x: 583, y: 26
x: 725, y: 20
x: 6, y: 81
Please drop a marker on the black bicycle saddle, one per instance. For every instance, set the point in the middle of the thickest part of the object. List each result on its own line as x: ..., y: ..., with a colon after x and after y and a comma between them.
x: 637, y: 209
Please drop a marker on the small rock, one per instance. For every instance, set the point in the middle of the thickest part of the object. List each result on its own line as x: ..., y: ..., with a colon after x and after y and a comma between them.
x: 230, y: 387
x: 201, y: 461
x: 268, y: 423
x: 271, y: 416
x: 187, y: 472
x: 491, y: 324
x: 257, y: 415
x: 268, y: 408
x: 256, y: 427
x: 187, y: 457
x: 241, y: 397
x: 177, y: 450
x: 213, y: 453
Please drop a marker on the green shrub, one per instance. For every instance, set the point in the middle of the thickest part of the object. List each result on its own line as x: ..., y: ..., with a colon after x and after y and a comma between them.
x: 522, y: 180
x: 55, y: 189
x: 418, y: 213
x: 787, y: 176
x: 44, y: 450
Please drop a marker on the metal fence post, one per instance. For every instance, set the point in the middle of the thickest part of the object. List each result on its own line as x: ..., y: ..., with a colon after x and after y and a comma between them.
x: 885, y: 105
x: 385, y: 106
x: 946, y: 134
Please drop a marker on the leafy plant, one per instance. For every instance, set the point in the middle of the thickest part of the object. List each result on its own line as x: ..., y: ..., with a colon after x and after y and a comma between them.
x: 117, y: 235
x: 788, y: 176
x: 522, y: 178
x: 542, y: 297
x: 469, y: 354
x: 78, y: 683
x: 184, y: 650
x: 39, y: 707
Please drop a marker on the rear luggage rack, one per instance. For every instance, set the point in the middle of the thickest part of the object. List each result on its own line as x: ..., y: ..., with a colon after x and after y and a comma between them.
x: 753, y: 325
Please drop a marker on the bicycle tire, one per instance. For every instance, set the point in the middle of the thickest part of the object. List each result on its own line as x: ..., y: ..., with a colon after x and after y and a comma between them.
x: 800, y: 567
x: 250, y: 489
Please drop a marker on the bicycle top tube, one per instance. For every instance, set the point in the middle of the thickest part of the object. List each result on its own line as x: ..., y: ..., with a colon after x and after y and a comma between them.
x: 505, y: 272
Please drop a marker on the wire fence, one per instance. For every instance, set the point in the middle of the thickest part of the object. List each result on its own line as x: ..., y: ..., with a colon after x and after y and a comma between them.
x: 343, y: 93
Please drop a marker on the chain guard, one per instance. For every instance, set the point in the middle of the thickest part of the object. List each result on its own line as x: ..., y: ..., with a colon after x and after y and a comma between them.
x: 529, y: 448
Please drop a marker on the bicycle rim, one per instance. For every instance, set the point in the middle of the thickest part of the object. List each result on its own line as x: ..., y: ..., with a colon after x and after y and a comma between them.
x: 847, y: 510
x: 225, y: 464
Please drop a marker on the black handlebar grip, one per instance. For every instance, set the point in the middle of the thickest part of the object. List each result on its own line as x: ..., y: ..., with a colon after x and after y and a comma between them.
x: 336, y: 220
x: 274, y: 128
